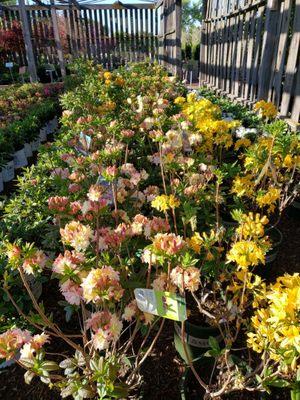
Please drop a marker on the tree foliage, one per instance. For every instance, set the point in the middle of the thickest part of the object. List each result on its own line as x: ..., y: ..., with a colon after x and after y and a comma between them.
x: 191, y: 13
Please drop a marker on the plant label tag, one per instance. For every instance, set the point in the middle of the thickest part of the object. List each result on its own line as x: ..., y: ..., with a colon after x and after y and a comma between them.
x: 9, y: 65
x: 164, y: 304
x: 85, y: 141
x: 108, y: 194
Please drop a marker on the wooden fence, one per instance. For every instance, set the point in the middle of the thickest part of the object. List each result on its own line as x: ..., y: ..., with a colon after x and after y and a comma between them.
x: 250, y: 51
x: 111, y: 34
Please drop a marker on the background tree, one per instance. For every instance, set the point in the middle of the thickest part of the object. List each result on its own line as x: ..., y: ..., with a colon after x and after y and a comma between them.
x: 191, y: 22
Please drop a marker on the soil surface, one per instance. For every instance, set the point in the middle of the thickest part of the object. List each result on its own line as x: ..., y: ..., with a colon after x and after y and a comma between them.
x: 163, y: 370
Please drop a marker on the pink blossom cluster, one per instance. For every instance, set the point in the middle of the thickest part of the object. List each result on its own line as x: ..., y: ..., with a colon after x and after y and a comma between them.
x: 187, y: 279
x: 168, y: 244
x: 102, y: 284
x: 106, y: 328
x: 76, y: 235
x: 35, y: 262
x: 11, y: 341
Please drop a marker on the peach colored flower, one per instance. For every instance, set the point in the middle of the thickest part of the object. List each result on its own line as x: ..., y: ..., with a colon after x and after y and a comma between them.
x: 102, y: 284
x: 11, y: 341
x: 129, y: 311
x: 35, y: 263
x: 190, y: 277
x: 72, y: 292
x: 168, y: 243
x: 76, y: 235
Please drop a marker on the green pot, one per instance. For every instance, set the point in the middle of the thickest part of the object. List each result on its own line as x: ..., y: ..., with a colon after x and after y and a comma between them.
x: 196, y: 339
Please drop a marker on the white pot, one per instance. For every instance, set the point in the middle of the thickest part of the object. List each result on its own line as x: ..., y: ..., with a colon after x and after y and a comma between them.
x: 54, y: 122
x: 1, y: 182
x: 20, y: 159
x: 48, y: 128
x: 8, y: 171
x: 28, y: 150
x: 35, y: 144
x: 43, y: 135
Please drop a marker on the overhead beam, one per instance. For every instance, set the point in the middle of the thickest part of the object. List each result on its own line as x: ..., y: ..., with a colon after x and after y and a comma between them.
x: 90, y: 6
x: 40, y: 3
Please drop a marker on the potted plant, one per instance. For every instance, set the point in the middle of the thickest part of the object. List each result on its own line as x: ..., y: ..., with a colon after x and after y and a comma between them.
x: 7, y: 163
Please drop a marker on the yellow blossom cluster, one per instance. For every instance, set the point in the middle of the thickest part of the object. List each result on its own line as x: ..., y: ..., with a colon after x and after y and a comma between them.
x: 206, y: 118
x: 246, y: 253
x: 268, y: 198
x: 266, y: 109
x: 165, y: 202
x: 244, y: 142
x: 204, y: 241
x: 276, y: 324
x: 252, y: 225
x: 243, y: 185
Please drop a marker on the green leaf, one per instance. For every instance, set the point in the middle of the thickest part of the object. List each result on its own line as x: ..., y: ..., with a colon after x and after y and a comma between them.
x: 50, y: 366
x: 214, y: 344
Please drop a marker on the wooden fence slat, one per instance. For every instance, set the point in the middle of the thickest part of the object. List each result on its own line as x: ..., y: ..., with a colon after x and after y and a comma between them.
x: 291, y: 66
x: 257, y: 50
x: 282, y: 49
x: 108, y: 40
x: 249, y: 56
x: 28, y: 43
x: 295, y: 114
x: 269, y: 43
x: 98, y: 35
x: 59, y: 49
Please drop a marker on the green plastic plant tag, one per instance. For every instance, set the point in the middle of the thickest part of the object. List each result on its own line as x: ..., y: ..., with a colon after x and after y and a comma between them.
x: 164, y: 304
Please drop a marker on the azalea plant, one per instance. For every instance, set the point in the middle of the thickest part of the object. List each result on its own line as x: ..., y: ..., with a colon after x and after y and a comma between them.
x: 130, y: 196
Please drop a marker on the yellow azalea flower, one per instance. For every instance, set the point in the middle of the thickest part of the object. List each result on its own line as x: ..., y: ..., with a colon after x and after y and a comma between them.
x: 266, y: 109
x: 252, y: 225
x: 160, y: 203
x: 107, y: 75
x: 276, y: 326
x: 243, y: 186
x: 173, y: 201
x: 164, y: 202
x: 195, y: 242
x: 191, y: 97
x: 246, y: 254
x: 245, y: 142
x: 179, y: 100
x: 268, y: 199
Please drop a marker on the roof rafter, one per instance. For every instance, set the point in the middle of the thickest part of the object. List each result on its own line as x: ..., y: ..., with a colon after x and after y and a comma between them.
x: 40, y: 3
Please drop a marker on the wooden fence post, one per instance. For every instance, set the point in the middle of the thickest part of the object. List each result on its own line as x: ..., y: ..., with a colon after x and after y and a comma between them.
x: 162, y: 31
x: 268, y: 49
x: 57, y: 39
x: 27, y: 41
x: 177, y: 52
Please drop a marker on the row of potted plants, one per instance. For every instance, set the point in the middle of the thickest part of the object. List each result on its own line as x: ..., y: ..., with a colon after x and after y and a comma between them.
x: 28, y: 115
x: 151, y: 188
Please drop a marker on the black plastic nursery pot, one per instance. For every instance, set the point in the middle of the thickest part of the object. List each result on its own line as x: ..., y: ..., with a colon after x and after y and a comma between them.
x: 276, y: 239
x: 186, y: 390
x: 294, y: 209
x: 196, y: 340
